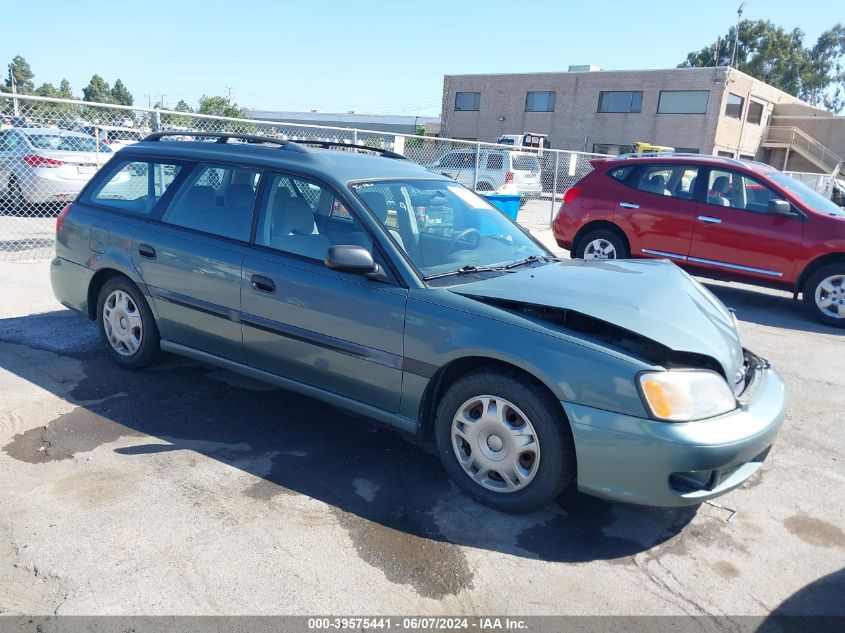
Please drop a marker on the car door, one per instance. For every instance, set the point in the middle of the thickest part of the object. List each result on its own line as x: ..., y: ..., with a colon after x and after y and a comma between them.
x: 658, y: 212
x: 191, y: 259
x: 337, y: 331
x: 735, y: 234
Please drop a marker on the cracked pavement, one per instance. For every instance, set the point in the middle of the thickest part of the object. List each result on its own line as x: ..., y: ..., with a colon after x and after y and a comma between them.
x: 185, y: 489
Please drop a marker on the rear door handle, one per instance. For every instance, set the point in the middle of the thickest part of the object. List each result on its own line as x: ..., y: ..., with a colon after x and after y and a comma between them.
x: 709, y: 220
x: 629, y: 205
x: 145, y: 250
x: 263, y: 284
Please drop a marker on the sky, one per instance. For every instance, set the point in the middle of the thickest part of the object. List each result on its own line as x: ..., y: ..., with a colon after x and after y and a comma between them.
x: 385, y: 57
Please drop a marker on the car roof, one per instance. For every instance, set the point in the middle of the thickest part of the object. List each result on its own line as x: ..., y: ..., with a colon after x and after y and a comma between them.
x: 338, y: 165
x: 48, y: 130
x: 695, y: 159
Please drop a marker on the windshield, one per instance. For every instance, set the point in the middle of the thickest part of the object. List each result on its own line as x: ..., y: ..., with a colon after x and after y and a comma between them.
x: 443, y: 226
x: 65, y: 143
x: 810, y: 197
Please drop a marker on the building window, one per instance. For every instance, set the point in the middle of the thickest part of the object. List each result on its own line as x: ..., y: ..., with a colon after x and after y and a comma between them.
x: 540, y: 102
x: 725, y: 154
x: 687, y: 150
x: 620, y: 101
x: 467, y: 101
x: 733, y: 108
x: 683, y: 101
x: 755, y: 113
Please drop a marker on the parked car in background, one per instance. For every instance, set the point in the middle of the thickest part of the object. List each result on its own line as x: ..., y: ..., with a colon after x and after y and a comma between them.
x: 498, y: 170
x: 446, y: 319
x: 47, y: 165
x: 112, y: 135
x: 719, y: 217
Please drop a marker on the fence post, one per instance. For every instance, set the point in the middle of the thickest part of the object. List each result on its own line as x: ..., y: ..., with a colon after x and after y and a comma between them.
x: 354, y: 136
x: 477, y: 158
x: 157, y: 122
x: 554, y: 187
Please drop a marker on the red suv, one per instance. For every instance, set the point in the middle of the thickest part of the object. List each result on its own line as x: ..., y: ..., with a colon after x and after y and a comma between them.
x: 717, y: 217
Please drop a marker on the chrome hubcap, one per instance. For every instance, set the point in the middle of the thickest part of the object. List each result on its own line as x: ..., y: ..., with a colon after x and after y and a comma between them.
x: 830, y: 296
x: 495, y: 443
x: 600, y: 249
x: 122, y: 323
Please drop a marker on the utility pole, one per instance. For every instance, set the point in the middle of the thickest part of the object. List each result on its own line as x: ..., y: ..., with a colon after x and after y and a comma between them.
x: 14, y: 90
x: 230, y: 91
x: 736, y: 33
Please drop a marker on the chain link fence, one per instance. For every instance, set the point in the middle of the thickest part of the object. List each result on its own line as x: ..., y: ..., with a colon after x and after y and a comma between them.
x: 49, y: 149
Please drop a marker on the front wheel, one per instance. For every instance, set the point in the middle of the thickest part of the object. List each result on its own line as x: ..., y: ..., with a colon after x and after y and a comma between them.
x: 503, y: 441
x: 127, y: 324
x: 601, y: 244
x: 824, y: 294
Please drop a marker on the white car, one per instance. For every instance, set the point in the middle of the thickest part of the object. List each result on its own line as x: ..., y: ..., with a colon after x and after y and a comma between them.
x: 499, y: 171
x: 47, y: 165
x: 114, y: 136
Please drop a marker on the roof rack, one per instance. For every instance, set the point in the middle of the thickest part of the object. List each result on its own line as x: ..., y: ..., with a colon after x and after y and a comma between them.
x: 295, y: 146
x: 386, y: 153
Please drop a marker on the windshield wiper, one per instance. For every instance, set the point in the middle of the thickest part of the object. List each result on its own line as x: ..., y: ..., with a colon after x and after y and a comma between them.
x: 468, y: 269
x: 531, y: 259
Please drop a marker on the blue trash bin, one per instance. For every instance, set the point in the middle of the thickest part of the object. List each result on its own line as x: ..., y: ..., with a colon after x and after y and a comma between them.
x: 507, y: 203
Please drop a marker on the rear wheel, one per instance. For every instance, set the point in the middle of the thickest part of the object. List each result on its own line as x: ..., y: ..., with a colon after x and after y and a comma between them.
x: 505, y: 442
x: 126, y: 324
x: 602, y: 244
x: 824, y: 294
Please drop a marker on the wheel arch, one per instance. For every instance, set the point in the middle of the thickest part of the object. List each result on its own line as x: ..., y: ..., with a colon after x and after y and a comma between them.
x: 451, y: 371
x: 596, y: 225
x: 814, y: 265
x: 100, y: 278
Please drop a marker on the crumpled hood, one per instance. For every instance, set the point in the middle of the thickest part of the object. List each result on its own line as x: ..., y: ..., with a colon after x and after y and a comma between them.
x: 655, y: 299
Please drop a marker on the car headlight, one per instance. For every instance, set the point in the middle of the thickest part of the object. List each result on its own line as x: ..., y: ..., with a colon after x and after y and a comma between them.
x: 683, y: 396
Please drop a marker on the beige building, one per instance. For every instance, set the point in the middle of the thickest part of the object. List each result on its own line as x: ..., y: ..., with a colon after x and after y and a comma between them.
x: 707, y: 110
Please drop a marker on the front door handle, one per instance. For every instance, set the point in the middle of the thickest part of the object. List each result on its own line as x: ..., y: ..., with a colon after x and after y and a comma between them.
x: 709, y: 220
x: 263, y: 284
x: 146, y: 251
x: 629, y: 205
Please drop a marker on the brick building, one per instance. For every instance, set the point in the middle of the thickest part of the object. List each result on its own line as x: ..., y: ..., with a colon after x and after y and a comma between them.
x: 707, y: 110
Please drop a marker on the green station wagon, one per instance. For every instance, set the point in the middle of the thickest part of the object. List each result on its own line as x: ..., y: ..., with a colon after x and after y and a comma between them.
x: 375, y: 285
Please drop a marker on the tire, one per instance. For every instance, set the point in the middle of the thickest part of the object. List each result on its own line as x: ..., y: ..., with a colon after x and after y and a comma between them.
x: 484, y: 186
x: 609, y: 241
x: 14, y: 195
x: 824, y: 294
x: 135, y: 348
x: 547, y: 468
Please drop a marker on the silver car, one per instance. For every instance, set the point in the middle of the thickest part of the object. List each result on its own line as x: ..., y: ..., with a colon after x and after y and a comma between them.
x: 47, y: 165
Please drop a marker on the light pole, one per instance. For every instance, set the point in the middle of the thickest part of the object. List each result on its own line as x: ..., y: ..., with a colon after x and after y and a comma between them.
x: 736, y: 33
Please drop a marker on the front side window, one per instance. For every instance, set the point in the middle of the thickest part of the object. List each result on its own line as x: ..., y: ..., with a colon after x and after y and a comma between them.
x: 216, y: 199
x: 731, y: 189
x: 443, y: 226
x: 467, y: 101
x: 676, y: 181
x: 733, y: 107
x: 133, y: 186
x: 540, y: 102
x: 621, y: 101
x: 683, y: 102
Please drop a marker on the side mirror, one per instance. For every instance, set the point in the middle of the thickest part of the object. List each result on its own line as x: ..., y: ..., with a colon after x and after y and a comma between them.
x: 351, y: 259
x: 779, y: 207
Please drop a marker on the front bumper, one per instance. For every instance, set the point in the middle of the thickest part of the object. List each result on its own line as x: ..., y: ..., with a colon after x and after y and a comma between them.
x: 647, y: 462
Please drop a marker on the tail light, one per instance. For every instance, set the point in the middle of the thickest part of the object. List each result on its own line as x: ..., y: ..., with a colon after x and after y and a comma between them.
x: 61, y: 217
x: 570, y: 194
x: 34, y: 160
x: 509, y: 177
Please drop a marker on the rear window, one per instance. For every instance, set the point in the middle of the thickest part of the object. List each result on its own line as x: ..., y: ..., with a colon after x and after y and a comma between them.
x: 65, y: 143
x: 526, y: 163
x: 133, y: 186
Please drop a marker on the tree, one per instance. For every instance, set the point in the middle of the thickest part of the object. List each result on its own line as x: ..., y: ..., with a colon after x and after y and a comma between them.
x: 97, y: 90
x: 778, y: 57
x: 22, y: 73
x: 65, y: 91
x: 178, y: 120
x: 121, y: 95
x: 218, y: 106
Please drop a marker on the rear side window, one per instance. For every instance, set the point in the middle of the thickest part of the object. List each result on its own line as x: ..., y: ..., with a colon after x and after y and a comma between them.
x: 133, y: 186
x: 217, y: 200
x: 620, y: 173
x: 525, y: 163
